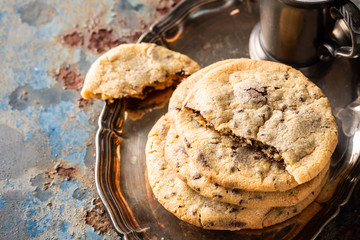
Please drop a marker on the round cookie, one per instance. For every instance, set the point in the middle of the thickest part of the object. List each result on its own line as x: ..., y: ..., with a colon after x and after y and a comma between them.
x: 131, y: 70
x: 178, y: 159
x: 226, y: 162
x: 272, y: 107
x: 191, y: 207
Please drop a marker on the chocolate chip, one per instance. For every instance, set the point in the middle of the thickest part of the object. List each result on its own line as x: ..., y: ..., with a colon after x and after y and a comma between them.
x: 294, y: 210
x: 202, y: 160
x: 181, y: 73
x: 237, y: 224
x: 235, y: 191
x: 197, y: 176
x: 257, y: 197
x: 232, y: 210
x: 232, y: 169
x: 187, y: 142
x: 173, y: 194
x: 286, y: 76
x: 177, y: 164
x: 218, y: 195
x: 269, y: 211
x: 197, y: 189
x: 182, y: 150
x: 293, y: 108
x: 301, y: 99
x: 283, y: 107
x: 257, y: 157
x: 248, y: 131
x: 256, y: 96
x: 194, y: 212
x: 262, y: 91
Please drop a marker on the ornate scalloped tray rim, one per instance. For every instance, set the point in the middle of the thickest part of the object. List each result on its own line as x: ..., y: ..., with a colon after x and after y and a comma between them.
x: 107, y: 169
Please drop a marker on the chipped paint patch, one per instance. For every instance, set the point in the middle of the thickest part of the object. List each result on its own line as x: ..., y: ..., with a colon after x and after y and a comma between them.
x: 97, y: 217
x: 66, y: 172
x: 83, y: 102
x: 74, y: 39
x: 102, y: 40
x: 69, y: 77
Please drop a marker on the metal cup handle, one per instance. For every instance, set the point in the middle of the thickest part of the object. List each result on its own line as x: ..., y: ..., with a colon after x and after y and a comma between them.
x: 350, y: 14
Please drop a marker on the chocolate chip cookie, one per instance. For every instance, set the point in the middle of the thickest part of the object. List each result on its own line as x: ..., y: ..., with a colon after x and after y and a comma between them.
x: 178, y: 158
x: 132, y: 70
x: 191, y: 207
x: 271, y: 108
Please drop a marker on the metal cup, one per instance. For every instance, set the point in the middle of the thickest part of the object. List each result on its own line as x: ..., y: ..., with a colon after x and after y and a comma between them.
x: 302, y: 32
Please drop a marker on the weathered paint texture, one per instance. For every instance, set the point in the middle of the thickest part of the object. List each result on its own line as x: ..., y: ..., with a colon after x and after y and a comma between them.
x: 46, y: 129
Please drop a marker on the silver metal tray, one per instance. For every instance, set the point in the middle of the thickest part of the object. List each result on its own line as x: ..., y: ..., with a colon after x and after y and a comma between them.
x: 208, y: 31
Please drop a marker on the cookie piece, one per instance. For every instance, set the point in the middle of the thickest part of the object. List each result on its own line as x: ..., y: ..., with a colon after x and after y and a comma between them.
x: 271, y: 107
x: 131, y: 70
x: 178, y: 159
x: 193, y: 208
x: 226, y: 162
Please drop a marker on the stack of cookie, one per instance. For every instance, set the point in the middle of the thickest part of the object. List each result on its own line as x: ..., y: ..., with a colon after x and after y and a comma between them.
x: 245, y: 144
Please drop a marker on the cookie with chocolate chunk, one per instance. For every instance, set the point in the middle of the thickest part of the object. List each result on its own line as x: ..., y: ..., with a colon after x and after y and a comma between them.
x: 182, y: 90
x: 193, y: 208
x: 132, y: 70
x: 226, y: 162
x: 272, y: 108
x: 178, y: 158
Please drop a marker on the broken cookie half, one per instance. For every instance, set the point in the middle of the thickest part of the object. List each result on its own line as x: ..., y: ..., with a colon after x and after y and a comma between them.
x: 134, y: 70
x: 270, y: 107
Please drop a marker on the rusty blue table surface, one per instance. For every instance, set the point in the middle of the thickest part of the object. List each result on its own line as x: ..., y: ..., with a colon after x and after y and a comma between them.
x: 47, y: 130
